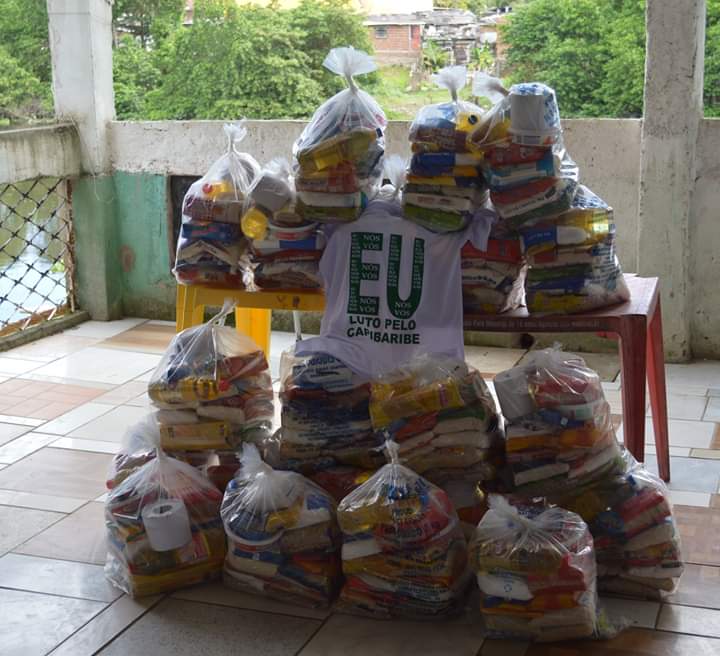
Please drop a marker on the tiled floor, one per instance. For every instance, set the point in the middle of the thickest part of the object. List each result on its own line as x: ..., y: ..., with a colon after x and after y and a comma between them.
x: 65, y: 402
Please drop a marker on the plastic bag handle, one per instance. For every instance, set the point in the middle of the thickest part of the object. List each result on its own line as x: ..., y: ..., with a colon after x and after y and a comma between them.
x: 452, y: 78
x: 227, y: 309
x: 393, y: 451
x: 235, y: 133
x: 349, y: 62
x: 394, y: 169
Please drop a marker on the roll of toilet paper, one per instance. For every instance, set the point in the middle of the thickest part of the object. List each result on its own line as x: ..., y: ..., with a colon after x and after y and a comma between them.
x: 513, y: 394
x: 167, y: 524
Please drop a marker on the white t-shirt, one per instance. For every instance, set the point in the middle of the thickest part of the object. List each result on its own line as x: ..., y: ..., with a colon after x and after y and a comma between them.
x: 393, y: 290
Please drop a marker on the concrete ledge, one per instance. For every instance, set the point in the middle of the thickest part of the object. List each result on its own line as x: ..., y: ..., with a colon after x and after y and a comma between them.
x: 44, y: 329
x: 52, y: 151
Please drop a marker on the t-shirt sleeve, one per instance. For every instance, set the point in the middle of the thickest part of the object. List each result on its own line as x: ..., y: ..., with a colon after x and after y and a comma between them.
x: 478, y: 231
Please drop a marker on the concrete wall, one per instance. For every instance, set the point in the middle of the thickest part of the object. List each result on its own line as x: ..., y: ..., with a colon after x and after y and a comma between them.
x: 607, y: 152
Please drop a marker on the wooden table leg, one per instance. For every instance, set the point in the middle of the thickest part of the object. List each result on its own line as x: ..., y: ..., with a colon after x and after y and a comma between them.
x: 656, y: 387
x: 633, y: 338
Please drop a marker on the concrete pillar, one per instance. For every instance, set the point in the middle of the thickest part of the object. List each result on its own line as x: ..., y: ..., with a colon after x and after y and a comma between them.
x: 673, y: 110
x: 81, y: 49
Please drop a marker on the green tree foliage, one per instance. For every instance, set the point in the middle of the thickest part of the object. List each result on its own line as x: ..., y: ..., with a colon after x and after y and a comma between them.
x: 149, y: 21
x: 712, y: 59
x: 22, y: 95
x: 434, y: 57
x: 134, y: 76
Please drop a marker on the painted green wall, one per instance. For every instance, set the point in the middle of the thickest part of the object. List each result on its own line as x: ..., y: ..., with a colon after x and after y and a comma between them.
x: 141, y: 208
x: 98, y: 274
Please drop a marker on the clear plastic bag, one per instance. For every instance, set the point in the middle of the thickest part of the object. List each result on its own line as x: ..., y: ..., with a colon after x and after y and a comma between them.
x: 573, y: 261
x: 283, y: 539
x: 443, y: 127
x: 442, y: 417
x: 213, y: 388
x: 637, y: 542
x: 163, y: 528
x: 535, y: 566
x: 285, y: 249
x: 339, y: 153
x: 559, y: 435
x: 325, y: 421
x: 404, y: 553
x: 140, y: 444
x: 493, y: 280
x: 445, y: 185
x: 210, y: 243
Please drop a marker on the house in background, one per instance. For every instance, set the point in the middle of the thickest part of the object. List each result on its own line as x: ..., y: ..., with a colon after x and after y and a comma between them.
x: 396, y: 38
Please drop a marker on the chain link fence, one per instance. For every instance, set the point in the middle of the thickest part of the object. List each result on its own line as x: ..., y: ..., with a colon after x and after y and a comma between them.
x: 36, y: 253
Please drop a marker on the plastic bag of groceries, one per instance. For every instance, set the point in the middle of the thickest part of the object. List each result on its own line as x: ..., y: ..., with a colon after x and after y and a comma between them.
x: 404, y: 553
x: 529, y: 172
x: 285, y: 248
x: 444, y: 127
x: 212, y: 388
x: 535, y: 567
x: 573, y: 263
x: 338, y: 155
x: 637, y: 542
x: 210, y: 243
x: 443, y: 418
x: 559, y: 432
x: 283, y: 539
x: 163, y: 528
x: 325, y: 420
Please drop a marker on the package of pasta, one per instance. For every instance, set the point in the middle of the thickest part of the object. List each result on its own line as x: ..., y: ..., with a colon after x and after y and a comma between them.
x: 404, y: 553
x: 637, y: 542
x: 210, y: 243
x: 535, y: 567
x: 163, y: 528
x: 443, y: 418
x: 212, y: 389
x: 338, y: 155
x: 325, y: 420
x: 283, y: 538
x: 559, y: 432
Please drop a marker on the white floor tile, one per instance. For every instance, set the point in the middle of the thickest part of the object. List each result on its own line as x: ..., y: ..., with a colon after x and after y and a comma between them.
x: 712, y: 411
x: 79, y: 444
x: 675, y: 451
x: 159, y: 322
x: 683, y: 498
x: 104, y: 329
x: 77, y: 417
x: 102, y: 365
x: 702, y: 373
x: 145, y: 376
x: 16, y: 366
x: 40, y: 501
x: 110, y: 427
x: 24, y: 446
x: 683, y: 433
x: 684, y: 406
x: 21, y: 421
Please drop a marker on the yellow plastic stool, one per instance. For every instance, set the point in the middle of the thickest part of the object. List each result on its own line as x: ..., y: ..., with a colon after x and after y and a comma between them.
x: 252, y: 311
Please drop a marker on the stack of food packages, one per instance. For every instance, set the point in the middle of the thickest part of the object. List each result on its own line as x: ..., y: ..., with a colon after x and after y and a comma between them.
x: 445, y: 185
x: 559, y: 432
x: 163, y: 528
x: 493, y: 280
x: 445, y: 423
x: 285, y: 249
x: 283, y: 538
x: 404, y: 553
x: 139, y: 446
x: 325, y: 433
x: 636, y: 539
x: 338, y: 155
x: 561, y: 445
x: 568, y: 232
x: 210, y: 244
x: 212, y: 391
x: 535, y: 567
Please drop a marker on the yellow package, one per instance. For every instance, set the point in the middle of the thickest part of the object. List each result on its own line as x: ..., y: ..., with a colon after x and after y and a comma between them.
x: 187, y: 389
x: 347, y: 146
x: 195, y: 437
